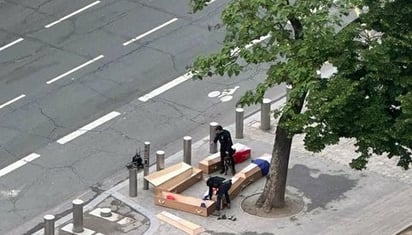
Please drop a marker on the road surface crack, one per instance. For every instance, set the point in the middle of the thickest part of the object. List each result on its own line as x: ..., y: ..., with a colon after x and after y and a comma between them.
x: 51, y: 120
x: 171, y: 56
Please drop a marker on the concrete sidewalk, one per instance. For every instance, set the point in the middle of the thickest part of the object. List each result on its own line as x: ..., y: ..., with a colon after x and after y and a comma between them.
x: 338, y: 200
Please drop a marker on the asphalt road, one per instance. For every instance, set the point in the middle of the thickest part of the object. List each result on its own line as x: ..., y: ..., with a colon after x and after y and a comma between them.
x: 66, y: 64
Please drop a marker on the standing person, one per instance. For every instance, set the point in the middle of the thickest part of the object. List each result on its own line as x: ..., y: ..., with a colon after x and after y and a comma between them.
x: 225, y: 140
x: 221, y: 186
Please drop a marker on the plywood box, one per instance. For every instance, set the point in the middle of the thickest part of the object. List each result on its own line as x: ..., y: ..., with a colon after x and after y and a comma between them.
x: 251, y: 173
x: 210, y: 164
x: 169, y: 173
x: 182, y: 224
x: 185, y: 203
x: 181, y: 182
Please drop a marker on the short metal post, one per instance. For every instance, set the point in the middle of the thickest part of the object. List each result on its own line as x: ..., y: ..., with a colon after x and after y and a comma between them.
x: 239, y: 123
x: 265, y: 114
x: 160, y: 160
x: 146, y: 159
x: 49, y: 224
x: 77, y: 216
x: 187, y: 150
x: 212, y: 130
x: 133, y: 181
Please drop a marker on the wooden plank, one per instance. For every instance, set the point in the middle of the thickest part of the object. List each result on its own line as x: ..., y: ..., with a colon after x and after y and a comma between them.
x: 180, y: 223
x: 160, y: 177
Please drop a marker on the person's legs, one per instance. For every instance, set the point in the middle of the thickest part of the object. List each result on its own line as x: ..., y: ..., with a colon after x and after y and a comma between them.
x: 225, y: 191
x: 233, y: 161
x: 218, y: 202
x: 222, y: 162
x: 227, y: 198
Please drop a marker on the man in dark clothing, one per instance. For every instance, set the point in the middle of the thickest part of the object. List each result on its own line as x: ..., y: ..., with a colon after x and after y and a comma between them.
x: 225, y: 140
x: 222, y: 186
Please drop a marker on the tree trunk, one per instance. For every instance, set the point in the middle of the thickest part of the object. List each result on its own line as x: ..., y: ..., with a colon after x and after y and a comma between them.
x: 273, y: 195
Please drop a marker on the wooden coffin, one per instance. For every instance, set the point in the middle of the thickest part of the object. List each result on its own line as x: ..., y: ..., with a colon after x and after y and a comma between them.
x: 182, y: 224
x: 160, y: 177
x: 251, y: 173
x: 210, y: 164
x: 185, y: 203
x: 181, y: 182
x: 237, y: 186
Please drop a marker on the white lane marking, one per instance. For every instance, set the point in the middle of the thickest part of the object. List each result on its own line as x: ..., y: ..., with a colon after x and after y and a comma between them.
x: 18, y: 164
x: 166, y: 87
x: 149, y: 32
x: 235, y: 52
x: 189, y: 75
x: 11, y: 44
x: 88, y: 127
x: 71, y: 14
x: 209, y: 2
x: 12, y: 101
x: 75, y: 69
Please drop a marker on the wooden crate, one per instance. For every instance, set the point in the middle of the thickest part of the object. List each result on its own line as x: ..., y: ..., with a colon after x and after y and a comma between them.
x: 181, y: 182
x: 210, y: 164
x: 185, y: 203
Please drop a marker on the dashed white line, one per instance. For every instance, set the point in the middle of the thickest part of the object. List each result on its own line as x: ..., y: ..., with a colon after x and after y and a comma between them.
x: 88, y: 127
x: 11, y: 44
x: 18, y: 164
x: 166, y: 87
x: 72, y: 14
x: 189, y: 75
x: 12, y: 100
x: 150, y: 31
x: 209, y: 2
x: 75, y: 69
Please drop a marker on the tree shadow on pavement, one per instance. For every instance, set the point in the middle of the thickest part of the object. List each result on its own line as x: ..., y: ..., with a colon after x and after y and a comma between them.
x: 320, y: 188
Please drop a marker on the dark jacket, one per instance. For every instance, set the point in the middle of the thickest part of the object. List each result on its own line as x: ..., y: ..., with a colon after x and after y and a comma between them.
x: 218, y: 182
x: 225, y: 141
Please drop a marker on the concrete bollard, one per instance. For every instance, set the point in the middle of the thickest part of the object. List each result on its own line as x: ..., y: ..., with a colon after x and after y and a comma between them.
x: 77, y: 216
x: 212, y: 134
x: 187, y: 150
x: 49, y: 224
x: 133, y: 181
x: 265, y: 114
x: 146, y: 160
x: 239, y: 123
x: 106, y: 212
x: 160, y: 160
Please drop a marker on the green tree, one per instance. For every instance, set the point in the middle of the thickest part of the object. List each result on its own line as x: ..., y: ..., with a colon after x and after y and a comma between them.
x: 368, y: 99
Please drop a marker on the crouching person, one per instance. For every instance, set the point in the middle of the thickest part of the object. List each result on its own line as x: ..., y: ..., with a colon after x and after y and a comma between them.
x: 221, y: 186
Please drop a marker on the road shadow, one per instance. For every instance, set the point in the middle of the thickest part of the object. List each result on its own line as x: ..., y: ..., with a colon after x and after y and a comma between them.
x: 321, y: 188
